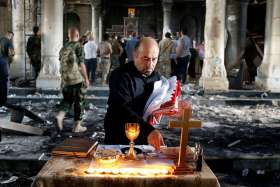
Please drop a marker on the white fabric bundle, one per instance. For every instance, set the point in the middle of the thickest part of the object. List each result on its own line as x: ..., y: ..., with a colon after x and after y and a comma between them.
x: 162, y: 93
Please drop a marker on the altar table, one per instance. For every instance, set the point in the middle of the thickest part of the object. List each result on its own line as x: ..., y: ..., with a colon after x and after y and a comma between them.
x: 70, y: 172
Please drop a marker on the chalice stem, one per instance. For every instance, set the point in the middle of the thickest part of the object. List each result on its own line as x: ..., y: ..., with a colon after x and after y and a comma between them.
x: 131, y: 153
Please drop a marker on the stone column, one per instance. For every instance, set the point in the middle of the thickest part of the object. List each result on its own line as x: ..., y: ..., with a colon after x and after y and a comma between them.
x: 236, y: 26
x: 100, y: 27
x: 18, y: 66
x: 167, y: 8
x: 29, y: 16
x: 214, y: 76
x: 95, y: 7
x: 269, y: 72
x: 94, y: 26
x: 52, y: 37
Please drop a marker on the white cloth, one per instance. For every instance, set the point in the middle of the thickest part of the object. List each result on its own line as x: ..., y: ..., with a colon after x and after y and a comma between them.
x: 90, y: 50
x: 162, y: 93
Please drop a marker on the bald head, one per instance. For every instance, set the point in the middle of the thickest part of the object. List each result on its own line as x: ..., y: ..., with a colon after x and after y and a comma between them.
x: 146, y: 55
x: 73, y: 34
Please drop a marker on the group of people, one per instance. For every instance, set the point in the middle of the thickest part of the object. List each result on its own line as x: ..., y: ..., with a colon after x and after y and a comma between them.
x: 130, y: 83
x: 175, y: 54
x: 113, y: 52
x: 130, y: 86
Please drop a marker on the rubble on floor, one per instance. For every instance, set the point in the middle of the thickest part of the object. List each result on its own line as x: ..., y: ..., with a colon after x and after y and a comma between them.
x: 228, y: 131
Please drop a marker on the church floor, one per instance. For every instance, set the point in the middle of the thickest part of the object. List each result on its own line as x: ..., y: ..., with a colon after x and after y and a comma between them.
x: 240, y: 140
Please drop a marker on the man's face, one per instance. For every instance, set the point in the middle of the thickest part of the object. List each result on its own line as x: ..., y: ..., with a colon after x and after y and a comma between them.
x: 145, y: 58
x: 10, y: 36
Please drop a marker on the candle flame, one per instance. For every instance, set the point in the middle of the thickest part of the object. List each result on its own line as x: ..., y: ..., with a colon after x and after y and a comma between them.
x: 145, y: 171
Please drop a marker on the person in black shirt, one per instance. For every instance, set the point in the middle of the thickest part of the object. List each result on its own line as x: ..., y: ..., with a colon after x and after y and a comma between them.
x: 6, y: 52
x: 130, y: 87
x: 33, y: 49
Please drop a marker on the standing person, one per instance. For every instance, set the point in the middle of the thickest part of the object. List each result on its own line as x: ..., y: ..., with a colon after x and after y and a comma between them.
x: 123, y: 56
x: 130, y: 87
x: 6, y: 52
x: 164, y: 61
x: 90, y: 49
x: 173, y: 57
x: 34, y: 50
x: 75, y: 80
x: 129, y: 47
x: 83, y: 40
x: 201, y: 53
x: 183, y: 55
x: 105, y: 50
x: 117, y: 50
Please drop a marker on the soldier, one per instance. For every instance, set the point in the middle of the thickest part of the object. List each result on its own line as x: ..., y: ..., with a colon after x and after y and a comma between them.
x: 34, y: 51
x: 6, y: 52
x: 117, y: 50
x: 164, y: 61
x: 75, y: 80
x: 105, y: 50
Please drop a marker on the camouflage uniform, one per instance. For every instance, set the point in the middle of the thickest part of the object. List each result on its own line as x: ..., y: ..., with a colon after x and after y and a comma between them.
x: 105, y: 50
x: 73, y: 92
x: 164, y: 61
x: 34, y: 53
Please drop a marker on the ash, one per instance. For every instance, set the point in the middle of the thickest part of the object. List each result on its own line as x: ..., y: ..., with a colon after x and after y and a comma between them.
x: 228, y: 131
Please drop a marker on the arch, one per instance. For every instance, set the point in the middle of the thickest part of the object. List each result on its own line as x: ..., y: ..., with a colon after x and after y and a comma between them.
x: 70, y: 19
x: 190, y: 23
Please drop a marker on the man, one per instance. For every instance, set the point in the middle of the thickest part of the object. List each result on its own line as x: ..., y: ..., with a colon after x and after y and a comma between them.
x: 173, y: 57
x: 117, y: 50
x: 34, y: 51
x: 6, y: 52
x: 130, y: 45
x: 105, y: 50
x: 75, y: 80
x: 123, y: 56
x: 90, y: 56
x: 165, y: 49
x: 130, y: 87
x: 183, y: 55
x: 201, y: 53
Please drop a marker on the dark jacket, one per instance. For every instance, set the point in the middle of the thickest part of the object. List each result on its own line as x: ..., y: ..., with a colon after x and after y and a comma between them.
x: 129, y: 92
x: 4, y: 76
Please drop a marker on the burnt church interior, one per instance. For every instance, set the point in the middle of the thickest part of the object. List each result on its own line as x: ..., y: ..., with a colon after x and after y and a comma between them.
x: 236, y: 99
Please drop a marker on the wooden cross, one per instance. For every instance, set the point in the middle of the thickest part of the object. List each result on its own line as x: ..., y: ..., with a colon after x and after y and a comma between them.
x: 185, y: 124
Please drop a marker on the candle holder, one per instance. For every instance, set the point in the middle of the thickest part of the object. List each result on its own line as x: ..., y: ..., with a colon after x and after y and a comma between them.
x: 132, y: 131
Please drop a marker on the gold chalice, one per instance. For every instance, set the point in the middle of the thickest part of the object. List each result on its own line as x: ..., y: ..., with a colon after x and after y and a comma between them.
x: 132, y: 131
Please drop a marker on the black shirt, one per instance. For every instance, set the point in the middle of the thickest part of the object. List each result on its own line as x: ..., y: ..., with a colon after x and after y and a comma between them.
x: 5, y: 45
x: 129, y: 92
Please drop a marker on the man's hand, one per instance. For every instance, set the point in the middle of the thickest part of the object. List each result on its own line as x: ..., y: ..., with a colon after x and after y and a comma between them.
x: 83, y: 71
x: 155, y: 139
x: 87, y: 83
